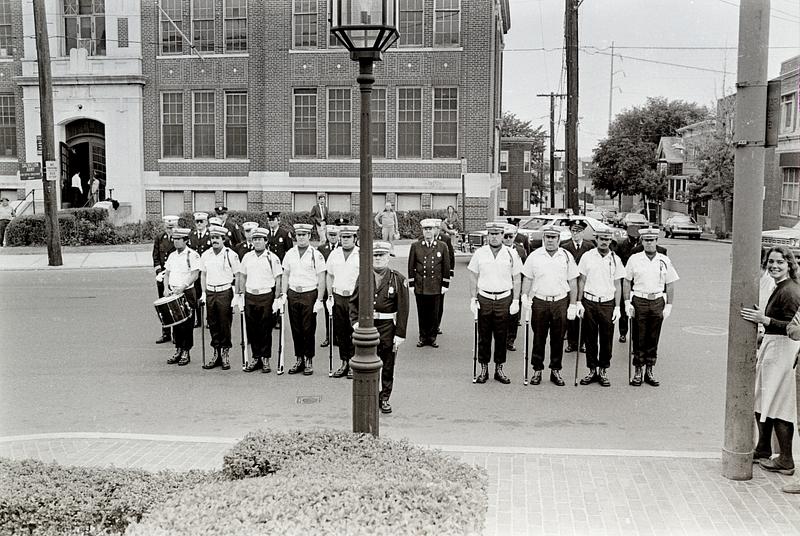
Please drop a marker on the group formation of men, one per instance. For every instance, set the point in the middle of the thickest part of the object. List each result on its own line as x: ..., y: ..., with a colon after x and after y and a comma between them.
x: 575, y: 289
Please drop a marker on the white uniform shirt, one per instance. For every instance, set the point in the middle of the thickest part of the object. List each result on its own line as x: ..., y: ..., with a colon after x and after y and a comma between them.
x: 344, y: 272
x: 650, y: 276
x: 550, y: 273
x: 219, y: 267
x: 180, y: 267
x: 601, y: 272
x: 261, y: 270
x: 495, y: 274
x: 303, y: 270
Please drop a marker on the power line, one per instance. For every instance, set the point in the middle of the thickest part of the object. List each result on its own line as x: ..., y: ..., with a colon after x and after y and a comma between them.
x: 671, y: 64
x: 772, y: 11
x: 649, y: 47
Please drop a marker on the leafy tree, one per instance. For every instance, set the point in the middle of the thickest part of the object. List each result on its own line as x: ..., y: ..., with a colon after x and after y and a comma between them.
x: 514, y: 127
x: 658, y: 117
x: 619, y: 162
x: 715, y: 181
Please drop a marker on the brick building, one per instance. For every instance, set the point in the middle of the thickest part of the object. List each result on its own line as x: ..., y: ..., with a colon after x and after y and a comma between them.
x: 261, y: 113
x: 782, y: 181
x: 517, y: 169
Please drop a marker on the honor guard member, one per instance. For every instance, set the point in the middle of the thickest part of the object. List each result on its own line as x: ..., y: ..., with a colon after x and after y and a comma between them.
x: 520, y: 238
x: 509, y: 240
x: 236, y: 237
x: 648, y: 290
x: 247, y: 230
x: 260, y: 282
x: 200, y: 241
x: 343, y: 264
x: 219, y: 271
x: 180, y: 272
x: 429, y: 276
x: 550, y: 280
x: 162, y: 247
x: 390, y: 314
x: 599, y: 293
x: 279, y: 240
x: 444, y: 236
x: 494, y: 284
x: 331, y: 243
x: 303, y: 284
x: 577, y: 246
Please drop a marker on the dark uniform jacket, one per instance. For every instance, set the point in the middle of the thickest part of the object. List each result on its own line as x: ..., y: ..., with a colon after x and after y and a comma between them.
x: 444, y: 237
x: 162, y: 247
x: 243, y: 248
x: 317, y: 215
x: 520, y: 249
x: 280, y: 243
x: 390, y: 297
x: 236, y: 236
x: 577, y: 253
x: 428, y: 267
x: 198, y: 243
x: 628, y: 247
x: 524, y: 242
x: 326, y: 249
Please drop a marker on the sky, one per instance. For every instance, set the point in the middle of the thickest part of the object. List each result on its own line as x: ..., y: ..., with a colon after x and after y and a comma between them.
x: 538, y: 25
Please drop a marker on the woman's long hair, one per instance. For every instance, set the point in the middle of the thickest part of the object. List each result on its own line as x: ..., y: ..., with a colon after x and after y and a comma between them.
x: 788, y: 256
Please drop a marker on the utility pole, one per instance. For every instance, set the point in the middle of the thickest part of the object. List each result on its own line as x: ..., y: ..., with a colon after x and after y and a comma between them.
x: 552, y: 143
x: 748, y: 184
x: 48, y: 143
x: 611, y: 86
x: 571, y: 41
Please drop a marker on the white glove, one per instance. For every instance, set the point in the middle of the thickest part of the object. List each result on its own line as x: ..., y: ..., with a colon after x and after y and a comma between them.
x: 203, y: 298
x: 572, y: 310
x: 579, y: 310
x: 629, y: 309
x: 667, y: 310
x: 160, y: 277
x: 474, y: 306
x: 317, y: 306
x: 525, y: 303
x: 615, y: 314
x: 514, y: 308
x: 445, y: 289
x: 329, y: 304
x: 277, y: 304
x: 398, y: 341
x: 355, y: 326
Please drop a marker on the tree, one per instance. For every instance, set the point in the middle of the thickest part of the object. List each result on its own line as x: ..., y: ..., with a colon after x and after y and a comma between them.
x: 658, y: 117
x: 619, y: 162
x: 514, y: 127
x: 715, y: 181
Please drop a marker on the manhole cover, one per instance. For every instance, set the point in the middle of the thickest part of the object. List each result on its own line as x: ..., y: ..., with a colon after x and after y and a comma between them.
x: 308, y: 399
x: 705, y: 330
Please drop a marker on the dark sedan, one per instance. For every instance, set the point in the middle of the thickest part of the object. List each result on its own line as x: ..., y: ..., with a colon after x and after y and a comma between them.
x: 682, y: 225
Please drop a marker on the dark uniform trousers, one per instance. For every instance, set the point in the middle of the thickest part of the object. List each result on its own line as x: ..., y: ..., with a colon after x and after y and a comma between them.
x: 259, y: 317
x: 342, y: 329
x: 428, y: 315
x: 387, y: 354
x: 183, y: 333
x: 493, y: 323
x: 548, y: 316
x: 647, y: 329
x: 303, y: 321
x: 597, y: 324
x: 513, y: 327
x: 220, y: 317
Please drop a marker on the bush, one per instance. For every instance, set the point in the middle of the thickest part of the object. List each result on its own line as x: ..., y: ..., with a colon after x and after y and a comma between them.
x: 91, y: 215
x: 29, y: 230
x: 41, y: 499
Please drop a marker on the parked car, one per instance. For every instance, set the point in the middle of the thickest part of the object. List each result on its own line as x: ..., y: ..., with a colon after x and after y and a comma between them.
x: 634, y: 218
x: 596, y: 214
x: 682, y: 225
x: 785, y: 236
x: 608, y: 217
x: 618, y: 218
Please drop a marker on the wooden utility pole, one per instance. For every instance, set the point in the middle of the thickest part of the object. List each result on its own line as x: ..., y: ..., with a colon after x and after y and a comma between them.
x: 552, y: 143
x: 611, y: 87
x: 748, y: 185
x: 571, y: 156
x: 53, y: 235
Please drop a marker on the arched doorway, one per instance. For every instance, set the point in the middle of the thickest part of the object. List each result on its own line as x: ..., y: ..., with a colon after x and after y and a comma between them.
x: 83, y: 159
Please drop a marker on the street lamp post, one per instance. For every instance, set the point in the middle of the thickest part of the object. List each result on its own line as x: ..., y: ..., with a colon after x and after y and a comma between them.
x: 366, y: 28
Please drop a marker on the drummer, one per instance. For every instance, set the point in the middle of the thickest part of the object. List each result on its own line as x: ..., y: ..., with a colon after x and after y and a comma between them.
x: 181, y: 270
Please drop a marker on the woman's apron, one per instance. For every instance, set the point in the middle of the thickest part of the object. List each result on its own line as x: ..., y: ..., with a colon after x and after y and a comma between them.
x: 776, y: 387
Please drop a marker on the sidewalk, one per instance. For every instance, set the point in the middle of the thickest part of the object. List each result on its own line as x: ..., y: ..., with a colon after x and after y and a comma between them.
x: 531, y: 491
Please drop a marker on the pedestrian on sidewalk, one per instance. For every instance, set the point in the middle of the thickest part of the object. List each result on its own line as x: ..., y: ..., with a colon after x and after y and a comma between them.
x: 387, y: 221
x: 7, y: 213
x: 776, y: 388
x: 180, y: 272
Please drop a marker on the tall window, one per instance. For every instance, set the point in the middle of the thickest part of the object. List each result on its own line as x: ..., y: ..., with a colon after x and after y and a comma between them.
x: 526, y: 161
x: 503, y: 161
x: 305, y: 122
x: 203, y: 25
x: 790, y: 192
x: 6, y: 40
x: 171, y: 40
x: 526, y: 199
x: 235, y: 25
x: 377, y: 129
x: 8, y: 126
x: 305, y: 23
x: 339, y: 105
x: 445, y: 122
x: 236, y: 125
x: 788, y: 112
x: 447, y: 22
x: 409, y: 122
x: 503, y: 199
x: 172, y: 125
x: 203, y: 119
x: 410, y: 22
x: 85, y: 26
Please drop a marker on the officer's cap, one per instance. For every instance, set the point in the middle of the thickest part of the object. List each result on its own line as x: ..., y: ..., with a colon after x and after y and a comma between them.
x: 495, y: 228
x: 514, y: 221
x: 379, y: 247
x: 249, y: 226
x: 348, y: 230
x: 340, y: 221
x: 273, y: 215
x: 430, y: 223
x: 200, y: 216
x: 170, y: 220
x: 217, y: 230
x: 551, y: 230
x: 577, y: 225
x: 180, y: 232
x: 221, y: 210
x: 648, y: 232
x: 509, y: 229
x: 214, y: 221
x: 603, y: 233
x: 331, y: 229
x: 260, y: 232
x: 302, y: 228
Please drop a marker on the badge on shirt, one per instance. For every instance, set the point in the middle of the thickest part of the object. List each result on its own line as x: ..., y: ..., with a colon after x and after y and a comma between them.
x: 391, y: 290
x: 280, y: 239
x: 438, y: 253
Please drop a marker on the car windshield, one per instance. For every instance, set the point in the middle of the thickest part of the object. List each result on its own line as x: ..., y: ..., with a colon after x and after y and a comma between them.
x: 534, y: 223
x: 636, y: 217
x: 682, y: 219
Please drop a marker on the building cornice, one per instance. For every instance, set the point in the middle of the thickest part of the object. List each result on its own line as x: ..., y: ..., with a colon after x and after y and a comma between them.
x: 86, y: 80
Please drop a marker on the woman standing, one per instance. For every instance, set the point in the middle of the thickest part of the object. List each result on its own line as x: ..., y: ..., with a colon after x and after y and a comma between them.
x: 776, y: 392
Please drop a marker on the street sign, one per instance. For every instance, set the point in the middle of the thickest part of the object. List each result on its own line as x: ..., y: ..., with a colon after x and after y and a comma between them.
x: 51, y: 171
x: 39, y: 145
x: 30, y: 171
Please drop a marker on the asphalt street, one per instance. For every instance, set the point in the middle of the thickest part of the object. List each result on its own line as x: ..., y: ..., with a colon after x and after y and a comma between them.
x: 78, y: 354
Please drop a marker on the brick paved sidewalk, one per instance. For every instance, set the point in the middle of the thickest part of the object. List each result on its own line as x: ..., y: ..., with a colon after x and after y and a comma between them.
x: 548, y: 492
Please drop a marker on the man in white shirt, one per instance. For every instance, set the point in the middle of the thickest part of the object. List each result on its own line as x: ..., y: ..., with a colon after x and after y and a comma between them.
x: 343, y: 264
x: 549, y: 279
x: 181, y: 271
x: 304, y: 285
x: 260, y: 280
x: 648, y: 290
x: 494, y: 283
x: 599, y: 291
x: 220, y: 268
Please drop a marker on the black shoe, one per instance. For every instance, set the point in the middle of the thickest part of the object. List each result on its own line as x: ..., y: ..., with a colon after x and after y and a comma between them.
x: 298, y: 366
x: 499, y: 376
x: 602, y: 378
x: 637, y: 377
x: 175, y: 357
x: 421, y: 343
x: 217, y: 362
x: 434, y: 344
x: 385, y: 406
x: 589, y: 378
x: 570, y: 349
x: 325, y: 343
x: 265, y: 368
x: 511, y: 348
x: 555, y: 377
x: 343, y: 370
x: 650, y: 379
x: 622, y: 338
x: 536, y: 377
x: 309, y: 370
x: 583, y: 349
x: 253, y: 365
x: 349, y: 373
x: 439, y: 331
x: 185, y: 359
x: 484, y: 375
x: 165, y: 337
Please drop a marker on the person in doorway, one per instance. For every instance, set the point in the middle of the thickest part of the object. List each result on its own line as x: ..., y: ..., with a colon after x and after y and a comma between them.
x: 7, y: 213
x: 319, y: 217
x: 95, y: 187
x: 76, y: 189
x: 387, y: 221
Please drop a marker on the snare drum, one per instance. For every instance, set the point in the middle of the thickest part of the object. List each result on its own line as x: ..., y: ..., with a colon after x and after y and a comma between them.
x: 172, y: 310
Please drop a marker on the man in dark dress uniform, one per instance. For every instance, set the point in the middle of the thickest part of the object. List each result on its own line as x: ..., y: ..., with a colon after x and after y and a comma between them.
x: 391, y: 316
x: 200, y: 241
x: 279, y: 242
x: 509, y: 240
x: 247, y: 230
x: 444, y: 236
x: 162, y: 247
x: 520, y: 238
x: 236, y: 232
x: 429, y: 276
x: 576, y: 245
x: 331, y: 243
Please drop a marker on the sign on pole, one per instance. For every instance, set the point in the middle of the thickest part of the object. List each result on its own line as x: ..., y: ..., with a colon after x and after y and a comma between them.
x: 51, y: 171
x: 39, y: 145
x: 30, y: 171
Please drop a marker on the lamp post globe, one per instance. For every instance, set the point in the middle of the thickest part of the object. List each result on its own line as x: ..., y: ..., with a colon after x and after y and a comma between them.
x: 366, y: 28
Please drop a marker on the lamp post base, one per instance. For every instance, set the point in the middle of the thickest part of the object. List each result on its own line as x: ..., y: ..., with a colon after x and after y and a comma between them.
x: 366, y: 381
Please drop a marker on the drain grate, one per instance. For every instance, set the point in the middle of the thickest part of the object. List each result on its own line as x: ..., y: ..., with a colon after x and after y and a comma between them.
x: 308, y: 399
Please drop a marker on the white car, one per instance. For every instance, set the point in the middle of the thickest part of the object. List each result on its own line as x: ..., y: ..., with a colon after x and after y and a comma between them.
x: 532, y: 229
